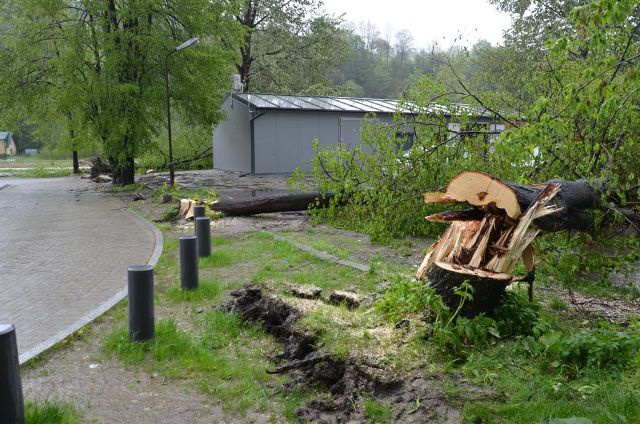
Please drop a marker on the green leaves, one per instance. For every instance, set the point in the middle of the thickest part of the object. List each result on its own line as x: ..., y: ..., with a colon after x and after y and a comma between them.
x: 97, y: 67
x: 600, y: 347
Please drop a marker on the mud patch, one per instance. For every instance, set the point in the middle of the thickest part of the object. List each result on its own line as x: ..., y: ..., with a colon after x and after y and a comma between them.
x: 411, y: 399
x: 585, y: 307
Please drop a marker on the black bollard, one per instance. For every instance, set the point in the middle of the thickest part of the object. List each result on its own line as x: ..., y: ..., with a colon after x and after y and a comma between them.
x: 141, y: 317
x: 203, y: 233
x: 11, y: 399
x: 188, y: 262
x: 198, y: 212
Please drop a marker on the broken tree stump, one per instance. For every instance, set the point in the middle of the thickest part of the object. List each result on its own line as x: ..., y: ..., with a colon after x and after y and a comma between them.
x: 484, y: 243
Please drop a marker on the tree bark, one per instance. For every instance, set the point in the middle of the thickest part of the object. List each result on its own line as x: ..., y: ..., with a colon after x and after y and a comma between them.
x: 123, y: 171
x: 575, y: 197
x: 127, y: 172
x: 286, y: 203
x: 488, y: 288
x: 76, y: 165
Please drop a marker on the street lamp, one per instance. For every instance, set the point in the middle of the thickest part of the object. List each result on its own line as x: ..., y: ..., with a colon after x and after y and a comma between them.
x: 190, y: 42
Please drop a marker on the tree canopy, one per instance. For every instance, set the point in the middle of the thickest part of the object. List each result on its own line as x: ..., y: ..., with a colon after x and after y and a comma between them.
x: 98, y: 66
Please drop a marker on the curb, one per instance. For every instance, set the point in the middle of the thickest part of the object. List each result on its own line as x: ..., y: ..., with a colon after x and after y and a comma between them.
x: 324, y: 255
x: 100, y: 309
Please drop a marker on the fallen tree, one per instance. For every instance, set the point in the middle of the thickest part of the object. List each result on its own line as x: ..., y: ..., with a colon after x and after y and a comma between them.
x: 483, y: 244
x: 268, y: 204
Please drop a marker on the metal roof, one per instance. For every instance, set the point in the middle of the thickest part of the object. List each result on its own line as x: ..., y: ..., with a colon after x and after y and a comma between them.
x: 258, y: 101
x: 318, y: 103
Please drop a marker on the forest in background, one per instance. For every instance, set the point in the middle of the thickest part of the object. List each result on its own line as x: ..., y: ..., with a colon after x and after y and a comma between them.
x: 290, y: 48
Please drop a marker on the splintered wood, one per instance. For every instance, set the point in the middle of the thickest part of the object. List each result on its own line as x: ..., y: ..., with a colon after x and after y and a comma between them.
x: 487, y: 240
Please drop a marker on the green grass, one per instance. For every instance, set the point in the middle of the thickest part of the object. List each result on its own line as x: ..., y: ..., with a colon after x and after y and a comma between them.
x: 207, y: 290
x: 50, y: 412
x: 532, y: 391
x: 219, y: 258
x: 376, y: 412
x: 41, y: 172
x: 228, y: 359
x: 220, y: 360
x: 325, y: 246
x: 169, y: 344
x: 280, y: 261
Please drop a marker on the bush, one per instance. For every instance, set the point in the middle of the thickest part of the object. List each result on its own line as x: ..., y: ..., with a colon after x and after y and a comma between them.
x: 515, y: 317
x: 404, y: 297
x: 600, y: 347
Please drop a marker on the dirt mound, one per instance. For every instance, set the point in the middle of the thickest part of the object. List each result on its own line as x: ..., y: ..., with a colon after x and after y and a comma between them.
x: 412, y: 399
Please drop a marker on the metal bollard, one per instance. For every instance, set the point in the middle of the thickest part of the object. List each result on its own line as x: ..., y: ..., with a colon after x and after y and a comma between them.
x: 198, y: 212
x: 11, y: 399
x: 203, y: 233
x: 141, y: 317
x: 188, y: 262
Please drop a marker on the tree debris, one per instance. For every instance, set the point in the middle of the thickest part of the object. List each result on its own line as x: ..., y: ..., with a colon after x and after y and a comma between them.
x: 484, y: 243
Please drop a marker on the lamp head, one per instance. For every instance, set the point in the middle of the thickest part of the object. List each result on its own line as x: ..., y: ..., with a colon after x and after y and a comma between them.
x: 190, y: 42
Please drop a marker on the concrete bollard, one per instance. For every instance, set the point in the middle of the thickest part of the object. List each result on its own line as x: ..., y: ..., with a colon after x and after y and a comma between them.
x: 188, y: 262
x: 198, y: 212
x: 141, y: 316
x: 203, y: 233
x: 11, y: 399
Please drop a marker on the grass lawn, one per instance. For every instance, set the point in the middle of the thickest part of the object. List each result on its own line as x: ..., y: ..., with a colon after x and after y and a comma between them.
x: 530, y: 363
x: 35, y: 167
x: 565, y: 367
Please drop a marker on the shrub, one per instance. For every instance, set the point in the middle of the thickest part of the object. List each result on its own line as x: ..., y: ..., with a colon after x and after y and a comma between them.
x: 600, y: 347
x: 404, y: 297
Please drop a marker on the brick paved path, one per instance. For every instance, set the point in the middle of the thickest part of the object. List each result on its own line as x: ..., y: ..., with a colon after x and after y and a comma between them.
x: 64, y: 252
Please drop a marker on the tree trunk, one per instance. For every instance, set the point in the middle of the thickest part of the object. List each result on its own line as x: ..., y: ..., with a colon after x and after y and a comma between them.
x: 483, y: 244
x: 127, y: 172
x: 286, y: 203
x: 123, y: 171
x: 76, y: 165
x: 488, y: 288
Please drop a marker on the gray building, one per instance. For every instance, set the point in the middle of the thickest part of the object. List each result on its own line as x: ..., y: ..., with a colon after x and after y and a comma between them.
x: 267, y: 134
x: 272, y: 134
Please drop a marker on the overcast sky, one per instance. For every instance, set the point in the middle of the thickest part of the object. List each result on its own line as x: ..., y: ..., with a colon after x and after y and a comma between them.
x: 428, y: 20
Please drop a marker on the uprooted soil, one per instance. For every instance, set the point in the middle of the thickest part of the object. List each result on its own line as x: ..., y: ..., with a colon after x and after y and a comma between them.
x: 411, y: 398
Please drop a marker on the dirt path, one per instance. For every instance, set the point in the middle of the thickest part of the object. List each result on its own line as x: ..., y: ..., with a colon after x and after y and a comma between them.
x: 106, y: 391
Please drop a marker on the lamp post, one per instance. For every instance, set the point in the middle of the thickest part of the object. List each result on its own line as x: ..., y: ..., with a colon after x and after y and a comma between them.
x: 190, y: 42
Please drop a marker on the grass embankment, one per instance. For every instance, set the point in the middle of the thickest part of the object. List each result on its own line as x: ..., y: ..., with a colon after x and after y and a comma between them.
x: 527, y: 364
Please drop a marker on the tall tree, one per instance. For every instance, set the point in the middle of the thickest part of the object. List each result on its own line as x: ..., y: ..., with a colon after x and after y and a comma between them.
x: 98, y: 66
x: 288, y: 45
x: 404, y: 44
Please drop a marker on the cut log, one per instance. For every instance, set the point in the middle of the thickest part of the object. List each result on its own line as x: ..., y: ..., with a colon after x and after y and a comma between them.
x: 483, y: 244
x: 286, y: 203
x: 478, y: 189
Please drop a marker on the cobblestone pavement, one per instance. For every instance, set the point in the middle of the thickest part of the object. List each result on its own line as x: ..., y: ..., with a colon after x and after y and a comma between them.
x: 64, y: 252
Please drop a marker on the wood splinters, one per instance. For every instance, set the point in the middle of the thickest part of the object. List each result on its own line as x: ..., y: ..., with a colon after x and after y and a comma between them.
x: 484, y: 243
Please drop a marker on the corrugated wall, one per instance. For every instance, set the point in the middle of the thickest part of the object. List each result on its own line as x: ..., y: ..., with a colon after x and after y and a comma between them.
x: 283, y: 139
x: 232, y: 138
